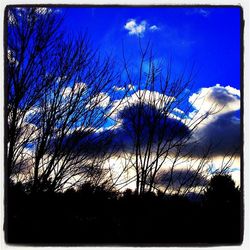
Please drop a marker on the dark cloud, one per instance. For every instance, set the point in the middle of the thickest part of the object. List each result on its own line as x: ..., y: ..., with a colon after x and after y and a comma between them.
x: 145, y: 121
x: 149, y: 124
x: 89, y: 143
x: 222, y: 134
x: 180, y: 178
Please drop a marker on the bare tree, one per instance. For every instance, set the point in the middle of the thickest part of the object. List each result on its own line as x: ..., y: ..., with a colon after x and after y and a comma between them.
x: 158, y: 132
x: 58, y: 93
x: 31, y: 38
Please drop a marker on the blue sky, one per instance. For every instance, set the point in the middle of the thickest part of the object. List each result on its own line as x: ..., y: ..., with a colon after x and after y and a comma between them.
x: 207, y: 37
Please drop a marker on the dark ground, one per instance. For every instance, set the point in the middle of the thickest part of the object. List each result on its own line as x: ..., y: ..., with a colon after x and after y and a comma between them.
x: 97, y: 217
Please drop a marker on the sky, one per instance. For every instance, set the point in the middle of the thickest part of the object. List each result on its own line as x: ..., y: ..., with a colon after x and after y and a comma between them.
x: 207, y: 38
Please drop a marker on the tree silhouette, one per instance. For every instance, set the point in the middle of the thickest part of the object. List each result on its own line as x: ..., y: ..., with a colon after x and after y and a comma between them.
x: 58, y: 94
x: 222, y: 210
x: 222, y: 191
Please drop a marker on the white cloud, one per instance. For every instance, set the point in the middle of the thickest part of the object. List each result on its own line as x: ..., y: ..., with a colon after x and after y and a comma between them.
x: 66, y: 92
x: 81, y: 86
x: 43, y: 10
x: 116, y: 88
x: 221, y: 99
x: 233, y: 91
x: 11, y: 57
x: 11, y: 18
x: 141, y: 96
x: 134, y: 28
x: 128, y: 87
x: 179, y: 111
x: 61, y: 78
x: 131, y: 87
x: 151, y: 97
x: 101, y: 100
x: 20, y: 11
x: 153, y: 28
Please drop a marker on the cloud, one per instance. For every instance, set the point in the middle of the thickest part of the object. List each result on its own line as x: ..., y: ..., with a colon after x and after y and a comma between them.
x: 149, y: 124
x: 138, y: 29
x: 66, y: 92
x: 223, y: 133
x: 16, y: 12
x: 134, y: 28
x: 11, y: 57
x: 86, y: 142
x: 153, y: 28
x: 221, y: 129
x: 78, y: 87
x: 153, y: 98
x: 180, y: 178
x: 101, y: 100
x: 129, y: 87
x: 43, y: 10
x: 178, y: 111
x: 116, y: 88
x: 222, y: 99
x: 11, y: 18
x: 23, y: 166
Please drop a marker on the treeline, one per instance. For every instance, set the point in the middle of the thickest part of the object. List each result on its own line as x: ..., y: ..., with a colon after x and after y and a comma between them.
x: 95, y: 216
